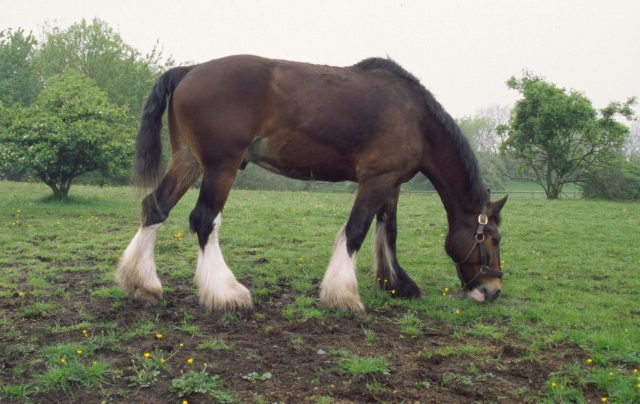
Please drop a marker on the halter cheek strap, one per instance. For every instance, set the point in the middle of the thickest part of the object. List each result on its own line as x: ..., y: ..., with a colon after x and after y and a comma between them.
x: 485, y: 269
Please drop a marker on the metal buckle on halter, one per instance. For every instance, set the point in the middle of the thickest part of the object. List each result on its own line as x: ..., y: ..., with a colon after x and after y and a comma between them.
x: 483, y: 219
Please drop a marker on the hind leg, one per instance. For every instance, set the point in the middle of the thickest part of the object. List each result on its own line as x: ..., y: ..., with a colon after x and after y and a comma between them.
x: 137, y: 269
x: 390, y: 275
x: 218, y: 288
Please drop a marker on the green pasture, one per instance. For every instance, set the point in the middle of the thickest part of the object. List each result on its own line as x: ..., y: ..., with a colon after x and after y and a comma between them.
x: 572, y: 281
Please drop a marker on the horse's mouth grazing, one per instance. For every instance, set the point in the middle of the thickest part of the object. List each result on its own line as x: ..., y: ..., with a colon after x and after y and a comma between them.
x: 476, y: 295
x: 482, y: 294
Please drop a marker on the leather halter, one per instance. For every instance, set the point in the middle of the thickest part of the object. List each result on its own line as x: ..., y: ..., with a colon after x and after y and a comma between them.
x: 485, y: 269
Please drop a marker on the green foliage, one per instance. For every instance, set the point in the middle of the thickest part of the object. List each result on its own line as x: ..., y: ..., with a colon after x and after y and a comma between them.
x: 358, y: 366
x: 566, y: 294
x: 18, y: 82
x: 73, y: 375
x: 71, y: 129
x: 97, y: 51
x: 558, y: 135
x: 196, y: 382
x: 257, y: 377
x: 481, y: 132
x: 619, y: 180
x: 145, y: 374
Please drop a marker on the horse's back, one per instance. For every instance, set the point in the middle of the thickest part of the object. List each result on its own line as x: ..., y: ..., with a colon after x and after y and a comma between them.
x: 299, y: 119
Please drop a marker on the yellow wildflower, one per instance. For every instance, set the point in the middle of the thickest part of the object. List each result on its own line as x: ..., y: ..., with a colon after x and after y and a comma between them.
x: 553, y: 385
x: 78, y: 352
x: 63, y: 360
x: 147, y: 354
x: 604, y: 399
x: 21, y: 294
x: 162, y: 360
x: 190, y: 361
x: 84, y: 332
x: 589, y: 361
x: 158, y: 335
x: 181, y: 344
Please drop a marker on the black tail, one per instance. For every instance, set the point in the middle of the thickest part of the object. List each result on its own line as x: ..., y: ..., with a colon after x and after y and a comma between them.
x: 147, y: 164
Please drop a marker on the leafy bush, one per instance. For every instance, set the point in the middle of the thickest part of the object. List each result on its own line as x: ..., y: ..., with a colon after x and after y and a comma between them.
x: 618, y: 181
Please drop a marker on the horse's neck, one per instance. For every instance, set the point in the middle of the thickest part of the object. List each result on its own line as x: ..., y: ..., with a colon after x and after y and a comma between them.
x: 445, y: 170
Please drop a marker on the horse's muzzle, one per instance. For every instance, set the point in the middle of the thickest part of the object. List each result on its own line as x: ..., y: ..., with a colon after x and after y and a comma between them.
x: 484, y: 294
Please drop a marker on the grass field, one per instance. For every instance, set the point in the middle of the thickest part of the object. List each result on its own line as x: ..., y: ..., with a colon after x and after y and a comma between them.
x: 565, y: 329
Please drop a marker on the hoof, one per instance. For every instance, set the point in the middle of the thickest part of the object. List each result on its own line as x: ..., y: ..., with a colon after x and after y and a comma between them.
x: 348, y: 301
x: 406, y: 289
x: 236, y: 298
x: 145, y: 297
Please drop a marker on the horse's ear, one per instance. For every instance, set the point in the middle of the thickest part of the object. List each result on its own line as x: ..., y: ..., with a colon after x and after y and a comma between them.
x: 496, y: 207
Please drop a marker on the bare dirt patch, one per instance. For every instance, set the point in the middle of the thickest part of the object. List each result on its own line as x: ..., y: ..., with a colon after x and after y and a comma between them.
x: 303, y: 358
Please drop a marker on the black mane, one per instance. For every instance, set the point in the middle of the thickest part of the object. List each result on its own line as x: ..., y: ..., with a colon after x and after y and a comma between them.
x: 470, y: 163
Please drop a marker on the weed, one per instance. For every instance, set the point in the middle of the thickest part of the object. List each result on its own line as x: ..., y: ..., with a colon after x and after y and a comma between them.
x: 376, y: 388
x: 298, y: 341
x: 214, y: 344
x: 462, y: 350
x: 303, y: 309
x: 358, y: 366
x: 323, y: 400
x: 145, y: 374
x: 450, y: 378
x: 410, y: 325
x: 255, y: 376
x: 370, y: 336
x: 196, y: 382
x: 36, y: 310
x: 18, y: 391
x: 73, y: 375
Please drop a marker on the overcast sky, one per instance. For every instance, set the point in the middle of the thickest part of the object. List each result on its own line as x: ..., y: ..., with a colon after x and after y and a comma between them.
x: 462, y: 50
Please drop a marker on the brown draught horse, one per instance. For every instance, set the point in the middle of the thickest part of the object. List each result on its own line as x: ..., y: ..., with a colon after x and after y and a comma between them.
x: 372, y: 123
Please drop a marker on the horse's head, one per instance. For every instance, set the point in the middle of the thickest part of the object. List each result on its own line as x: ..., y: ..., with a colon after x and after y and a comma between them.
x: 474, y: 245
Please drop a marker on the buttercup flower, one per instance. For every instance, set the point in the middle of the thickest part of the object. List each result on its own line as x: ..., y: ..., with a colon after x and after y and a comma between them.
x: 147, y: 354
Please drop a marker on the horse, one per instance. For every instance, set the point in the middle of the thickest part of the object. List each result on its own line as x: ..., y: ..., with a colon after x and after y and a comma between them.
x: 372, y: 123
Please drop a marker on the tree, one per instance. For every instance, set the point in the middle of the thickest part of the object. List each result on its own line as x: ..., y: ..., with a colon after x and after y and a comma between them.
x: 619, y: 180
x: 70, y: 129
x: 558, y: 135
x: 97, y: 51
x: 632, y: 146
x: 18, y: 83
x: 480, y: 130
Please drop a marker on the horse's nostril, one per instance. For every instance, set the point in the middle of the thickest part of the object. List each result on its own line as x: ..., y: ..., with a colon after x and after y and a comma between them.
x: 496, y: 294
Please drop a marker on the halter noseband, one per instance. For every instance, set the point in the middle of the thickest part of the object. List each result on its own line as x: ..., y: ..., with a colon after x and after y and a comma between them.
x: 485, y: 269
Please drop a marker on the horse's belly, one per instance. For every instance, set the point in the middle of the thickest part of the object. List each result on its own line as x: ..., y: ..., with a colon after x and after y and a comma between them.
x: 301, y: 161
